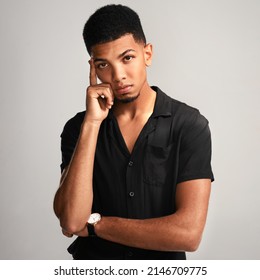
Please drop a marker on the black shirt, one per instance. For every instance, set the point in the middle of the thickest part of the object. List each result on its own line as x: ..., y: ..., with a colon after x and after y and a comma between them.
x: 173, y: 146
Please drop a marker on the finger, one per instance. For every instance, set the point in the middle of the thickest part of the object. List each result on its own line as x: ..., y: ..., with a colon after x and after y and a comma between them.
x: 92, y: 73
x: 106, y: 95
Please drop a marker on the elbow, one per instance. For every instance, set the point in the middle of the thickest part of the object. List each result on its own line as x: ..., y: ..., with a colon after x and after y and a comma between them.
x: 71, y: 226
x: 192, y: 241
x: 69, y: 221
x: 186, y: 241
x: 192, y: 246
x: 73, y: 223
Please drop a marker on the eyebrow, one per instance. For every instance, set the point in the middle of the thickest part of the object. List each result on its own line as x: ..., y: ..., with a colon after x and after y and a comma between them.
x: 121, y: 55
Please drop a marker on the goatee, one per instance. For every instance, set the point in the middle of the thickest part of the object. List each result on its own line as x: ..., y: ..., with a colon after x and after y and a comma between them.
x: 128, y: 100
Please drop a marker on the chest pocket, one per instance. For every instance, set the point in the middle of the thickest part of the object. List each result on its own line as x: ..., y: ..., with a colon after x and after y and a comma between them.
x: 158, y: 163
x: 159, y: 154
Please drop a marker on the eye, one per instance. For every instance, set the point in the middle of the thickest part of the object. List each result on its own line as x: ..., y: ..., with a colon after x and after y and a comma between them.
x: 128, y: 58
x: 102, y: 65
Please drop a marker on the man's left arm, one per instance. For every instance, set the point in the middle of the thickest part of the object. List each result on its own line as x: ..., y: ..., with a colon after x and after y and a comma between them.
x: 181, y: 231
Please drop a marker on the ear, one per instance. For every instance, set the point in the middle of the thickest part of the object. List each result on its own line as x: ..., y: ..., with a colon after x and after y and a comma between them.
x: 148, y: 54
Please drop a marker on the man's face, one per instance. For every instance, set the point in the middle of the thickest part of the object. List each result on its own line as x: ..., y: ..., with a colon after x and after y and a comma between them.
x: 122, y: 63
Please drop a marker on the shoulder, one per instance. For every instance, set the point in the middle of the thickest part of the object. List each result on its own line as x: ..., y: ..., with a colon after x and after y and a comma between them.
x: 183, y: 115
x: 190, y: 116
x: 77, y: 119
x: 73, y: 125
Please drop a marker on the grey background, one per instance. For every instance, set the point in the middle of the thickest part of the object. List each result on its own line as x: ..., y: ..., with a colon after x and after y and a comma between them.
x: 206, y: 53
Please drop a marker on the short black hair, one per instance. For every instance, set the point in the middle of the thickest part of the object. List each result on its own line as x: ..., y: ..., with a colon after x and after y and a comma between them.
x: 111, y: 22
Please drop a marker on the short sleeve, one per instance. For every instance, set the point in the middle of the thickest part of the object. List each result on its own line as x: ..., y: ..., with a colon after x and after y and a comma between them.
x: 195, y: 149
x: 69, y: 138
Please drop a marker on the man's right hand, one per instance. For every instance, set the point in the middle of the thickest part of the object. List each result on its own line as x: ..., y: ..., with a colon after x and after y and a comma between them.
x: 99, y: 98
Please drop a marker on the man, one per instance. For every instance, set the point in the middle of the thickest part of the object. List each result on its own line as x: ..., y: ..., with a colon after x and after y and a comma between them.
x: 136, y: 173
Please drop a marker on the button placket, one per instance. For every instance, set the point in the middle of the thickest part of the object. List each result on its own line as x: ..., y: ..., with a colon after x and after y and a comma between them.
x: 130, y: 187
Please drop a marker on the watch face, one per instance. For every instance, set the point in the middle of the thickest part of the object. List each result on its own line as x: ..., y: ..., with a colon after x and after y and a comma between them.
x: 94, y: 218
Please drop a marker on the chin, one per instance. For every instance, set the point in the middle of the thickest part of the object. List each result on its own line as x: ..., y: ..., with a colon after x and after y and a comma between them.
x: 128, y: 99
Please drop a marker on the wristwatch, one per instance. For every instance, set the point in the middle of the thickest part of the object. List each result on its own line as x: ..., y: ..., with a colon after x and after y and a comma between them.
x: 94, y: 218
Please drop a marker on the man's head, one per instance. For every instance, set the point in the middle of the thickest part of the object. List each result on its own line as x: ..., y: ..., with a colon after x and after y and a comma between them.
x: 119, y: 52
x: 110, y: 23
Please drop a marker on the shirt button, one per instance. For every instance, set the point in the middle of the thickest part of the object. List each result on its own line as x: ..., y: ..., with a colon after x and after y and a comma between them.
x: 131, y: 194
x: 130, y: 163
x: 130, y: 254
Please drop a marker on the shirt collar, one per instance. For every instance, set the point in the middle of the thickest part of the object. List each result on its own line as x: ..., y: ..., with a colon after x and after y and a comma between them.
x: 162, y: 107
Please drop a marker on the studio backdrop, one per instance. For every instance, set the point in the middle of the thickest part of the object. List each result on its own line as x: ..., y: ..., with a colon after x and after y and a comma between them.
x: 206, y: 54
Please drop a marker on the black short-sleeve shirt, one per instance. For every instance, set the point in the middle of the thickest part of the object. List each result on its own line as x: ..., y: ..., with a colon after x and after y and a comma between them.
x: 174, y: 146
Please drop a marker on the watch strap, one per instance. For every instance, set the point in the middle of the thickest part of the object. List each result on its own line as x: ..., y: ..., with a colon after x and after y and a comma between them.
x: 91, y: 230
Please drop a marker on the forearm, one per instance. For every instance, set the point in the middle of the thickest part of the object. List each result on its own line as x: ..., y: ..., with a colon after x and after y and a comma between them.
x: 181, y: 231
x: 73, y: 200
x: 167, y: 233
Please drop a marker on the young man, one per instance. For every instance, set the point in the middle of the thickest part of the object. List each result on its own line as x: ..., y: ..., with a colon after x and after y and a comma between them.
x: 136, y: 173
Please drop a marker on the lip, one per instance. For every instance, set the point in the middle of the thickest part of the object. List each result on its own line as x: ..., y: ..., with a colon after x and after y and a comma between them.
x: 124, y: 89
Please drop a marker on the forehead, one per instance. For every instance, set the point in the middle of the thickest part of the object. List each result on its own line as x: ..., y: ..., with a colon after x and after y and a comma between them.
x: 116, y: 47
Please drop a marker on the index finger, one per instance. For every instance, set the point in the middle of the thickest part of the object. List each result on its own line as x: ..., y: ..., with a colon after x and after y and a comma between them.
x: 92, y: 73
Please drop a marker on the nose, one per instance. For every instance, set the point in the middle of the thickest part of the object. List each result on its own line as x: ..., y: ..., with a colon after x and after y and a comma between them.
x: 118, y: 73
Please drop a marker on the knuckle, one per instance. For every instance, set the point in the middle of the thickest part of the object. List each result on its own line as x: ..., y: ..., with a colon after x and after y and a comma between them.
x: 89, y: 88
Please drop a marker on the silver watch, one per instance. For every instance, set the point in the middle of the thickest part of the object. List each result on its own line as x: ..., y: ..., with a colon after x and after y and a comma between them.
x: 94, y: 218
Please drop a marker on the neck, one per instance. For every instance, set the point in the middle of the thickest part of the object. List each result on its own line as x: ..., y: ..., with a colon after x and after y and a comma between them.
x: 144, y: 104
